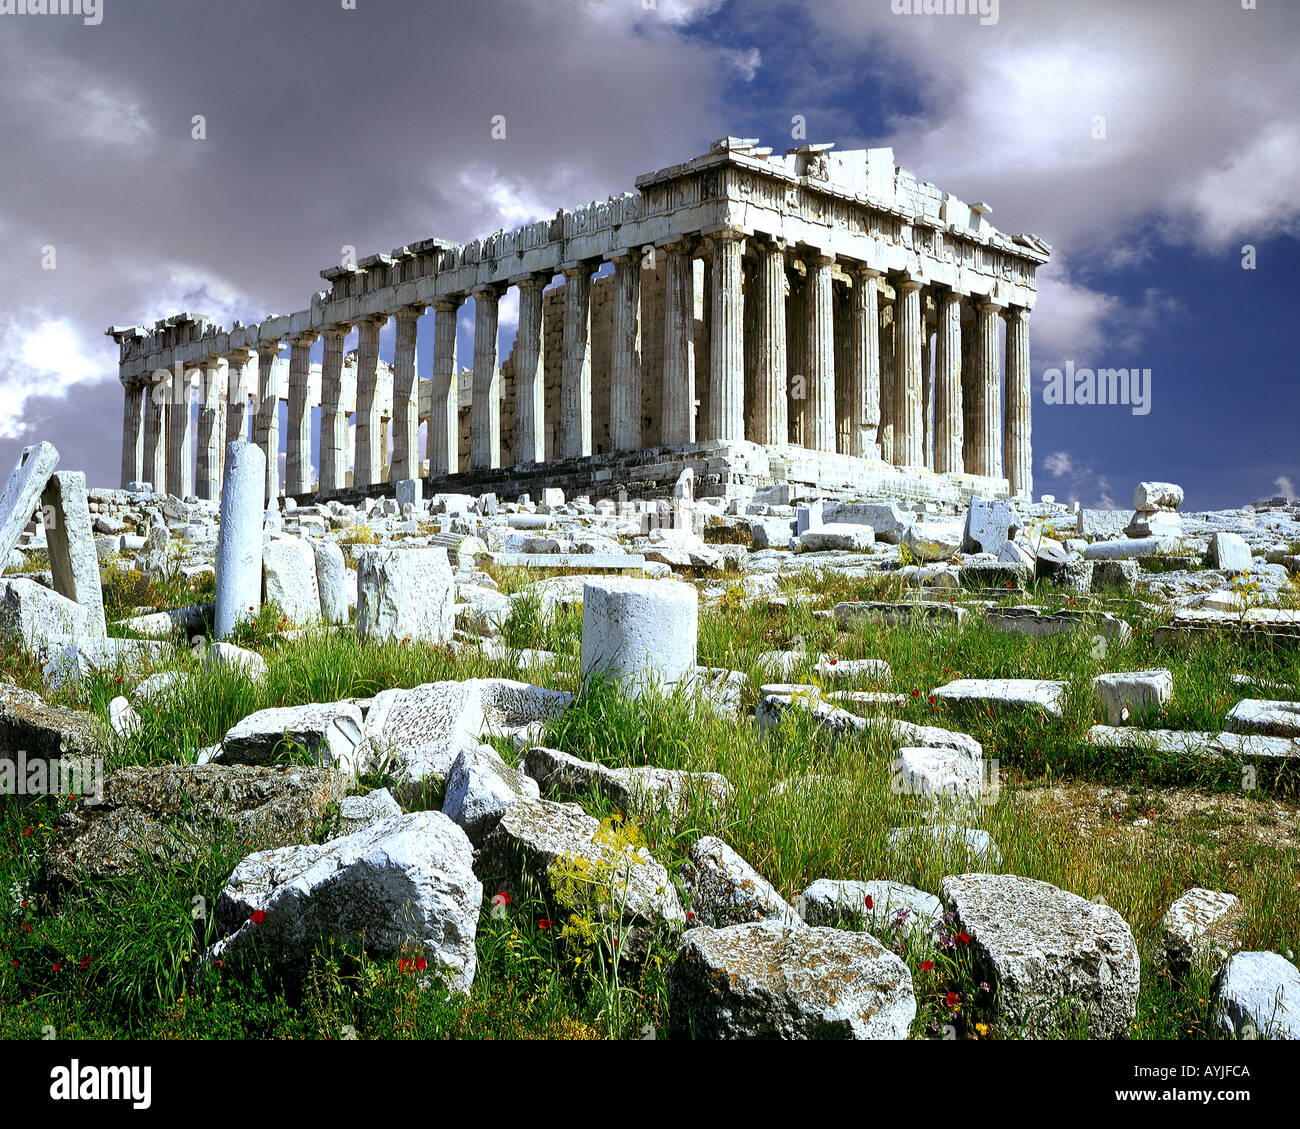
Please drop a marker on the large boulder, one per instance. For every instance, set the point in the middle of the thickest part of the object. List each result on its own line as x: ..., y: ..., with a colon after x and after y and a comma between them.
x: 31, y: 614
x: 480, y: 789
x: 764, y: 980
x: 289, y: 579
x: 406, y: 594
x: 329, y: 733
x: 723, y: 889
x: 1201, y: 926
x: 1053, y: 957
x: 402, y: 887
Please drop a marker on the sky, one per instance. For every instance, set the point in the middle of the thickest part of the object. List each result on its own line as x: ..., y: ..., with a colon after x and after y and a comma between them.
x: 1154, y: 145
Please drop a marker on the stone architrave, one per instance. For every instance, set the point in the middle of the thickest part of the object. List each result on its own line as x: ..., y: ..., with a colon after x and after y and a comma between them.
x: 239, y: 544
x: 73, y: 560
x: 22, y: 493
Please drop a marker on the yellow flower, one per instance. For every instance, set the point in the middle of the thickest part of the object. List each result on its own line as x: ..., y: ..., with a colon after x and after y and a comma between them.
x: 982, y: 1028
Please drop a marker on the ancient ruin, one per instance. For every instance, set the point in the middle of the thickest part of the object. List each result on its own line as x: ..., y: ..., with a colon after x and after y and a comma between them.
x: 819, y: 318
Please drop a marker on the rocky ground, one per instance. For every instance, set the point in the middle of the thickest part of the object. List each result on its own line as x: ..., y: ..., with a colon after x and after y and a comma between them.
x: 876, y: 771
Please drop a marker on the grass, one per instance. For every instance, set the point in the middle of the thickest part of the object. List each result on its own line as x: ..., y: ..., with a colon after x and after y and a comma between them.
x: 1166, y: 824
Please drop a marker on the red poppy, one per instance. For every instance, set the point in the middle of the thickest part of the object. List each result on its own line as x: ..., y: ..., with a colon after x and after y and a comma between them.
x: 28, y: 831
x: 832, y: 662
x: 15, y: 964
x: 870, y: 903
x: 927, y: 966
x: 220, y: 964
x: 27, y: 928
x: 962, y: 938
x: 951, y: 999
x: 403, y: 965
x: 916, y: 693
x: 420, y: 964
x: 85, y: 963
x: 58, y: 967
x: 690, y: 915
x: 543, y: 922
x: 933, y: 699
x: 501, y: 899
x: 257, y: 916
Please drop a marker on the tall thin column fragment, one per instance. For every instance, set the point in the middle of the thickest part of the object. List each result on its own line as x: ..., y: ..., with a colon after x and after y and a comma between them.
x: 239, y: 390
x: 297, y: 445
x: 678, y: 415
x: 74, y: 563
x: 726, y: 341
x: 1019, y: 461
x: 947, y: 387
x: 406, y: 407
x: 625, y: 354
x: 180, y: 434
x: 575, y: 366
x: 239, y: 541
x: 444, y: 426
x: 886, y: 432
x: 485, y: 406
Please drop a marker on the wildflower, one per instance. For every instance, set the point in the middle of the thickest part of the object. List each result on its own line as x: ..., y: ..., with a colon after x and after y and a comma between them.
x: 870, y: 903
x: 420, y: 964
x: 58, y: 967
x: 962, y: 938
x: 690, y: 915
x: 982, y: 1028
x: 85, y: 963
x: 927, y: 966
x: 933, y: 699
x: 916, y: 693
x: 501, y: 899
x: 257, y: 916
x: 404, y: 965
x: 544, y: 923
x: 28, y: 831
x: 984, y: 985
x: 952, y: 1000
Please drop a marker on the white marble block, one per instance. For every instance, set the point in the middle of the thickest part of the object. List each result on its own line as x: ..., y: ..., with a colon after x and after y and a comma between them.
x: 406, y: 594
x: 639, y: 633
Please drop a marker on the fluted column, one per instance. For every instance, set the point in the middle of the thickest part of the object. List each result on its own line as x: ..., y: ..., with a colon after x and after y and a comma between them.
x: 334, y: 453
x: 154, y: 455
x: 444, y: 426
x: 625, y: 354
x: 678, y: 416
x: 530, y: 380
x: 485, y: 405
x: 239, y: 391
x: 908, y: 432
x: 796, y: 323
x: 886, y: 432
x: 267, y: 421
x: 927, y: 391
x: 969, y: 396
x: 819, y: 419
x: 132, y: 433
x: 727, y: 338
x: 406, y: 397
x: 1019, y: 461
x: 180, y: 435
x: 771, y: 415
x: 985, y: 382
x: 575, y: 367
x: 863, y: 356
x: 297, y: 444
x: 366, y: 469
x: 947, y: 386
x: 207, y: 483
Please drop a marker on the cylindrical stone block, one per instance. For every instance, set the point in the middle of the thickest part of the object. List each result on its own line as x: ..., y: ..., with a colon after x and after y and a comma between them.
x: 639, y: 634
x: 239, y: 544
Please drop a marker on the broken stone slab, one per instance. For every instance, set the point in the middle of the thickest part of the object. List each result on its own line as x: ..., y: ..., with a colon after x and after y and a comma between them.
x: 405, y: 594
x: 1046, y: 695
x: 1052, y: 957
x: 356, y: 813
x: 723, y: 889
x: 329, y: 733
x: 941, y: 777
x: 31, y: 614
x: 878, y: 611
x: 1032, y: 621
x: 22, y: 492
x: 772, y: 710
x: 1192, y: 743
x: 172, y: 812
x: 1126, y: 695
x: 974, y: 846
x: 1201, y: 926
x: 331, y: 582
x: 885, y: 518
x: 833, y: 669
x: 906, y: 733
x: 639, y: 634
x: 765, y: 980
x: 1272, y: 625
x: 933, y: 540
x: 1258, y: 997
x: 404, y: 887
x: 536, y: 835
x: 29, y: 724
x: 872, y: 699
x: 74, y: 561
x: 996, y: 574
x: 480, y: 789
x: 1154, y: 523
x: 876, y: 906
x: 74, y: 660
x: 122, y: 718
x: 289, y: 579
x: 716, y: 687
x: 839, y: 537
x: 189, y: 621
x: 990, y: 524
x: 1121, y: 574
x: 771, y: 533
x: 1130, y: 549
x: 1157, y: 496
x: 228, y: 656
x: 482, y: 611
x: 164, y: 684
x: 1268, y: 718
x: 1229, y: 552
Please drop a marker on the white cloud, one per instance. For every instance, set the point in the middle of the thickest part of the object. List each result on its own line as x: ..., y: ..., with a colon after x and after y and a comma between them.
x: 1285, y: 487
x: 46, y: 357
x: 744, y: 63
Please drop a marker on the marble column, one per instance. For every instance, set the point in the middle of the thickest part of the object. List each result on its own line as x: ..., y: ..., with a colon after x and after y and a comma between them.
x: 238, y: 392
x: 969, y: 396
x: 886, y: 432
x: 927, y: 390
x: 625, y: 354
x: 863, y: 356
x: 678, y: 416
x: 335, y: 453
x: 796, y: 322
x: 947, y: 386
x: 985, y: 382
x: 132, y: 433
x: 406, y: 397
x: 155, y: 434
x: 444, y: 426
x: 727, y: 339
x: 180, y: 435
x: 211, y: 437
x: 575, y: 366
x: 297, y: 444
x: 485, y: 405
x: 771, y: 410
x: 819, y: 420
x: 267, y: 422
x: 530, y: 374
x: 908, y: 431
x: 842, y: 304
x: 1019, y: 461
x: 366, y: 470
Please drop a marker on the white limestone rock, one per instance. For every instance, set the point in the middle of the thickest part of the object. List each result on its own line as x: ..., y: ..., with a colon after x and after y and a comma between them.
x: 1157, y: 496
x: 1229, y: 552
x: 74, y: 561
x: 934, y: 540
x: 482, y: 611
x: 123, y: 719
x: 639, y: 634
x: 877, y: 906
x: 74, y: 660
x: 1051, y: 956
x: 885, y: 518
x: 404, y: 887
x: 843, y: 538
x: 480, y: 788
x: 1042, y: 694
x: 239, y: 544
x: 163, y: 684
x: 938, y: 776
x: 22, y: 492
x: 1267, y: 718
x: 332, y: 582
x: 723, y: 889
x: 763, y: 980
x: 289, y: 579
x: 330, y: 733
x: 420, y: 732
x: 990, y: 524
x: 1258, y: 997
x: 357, y: 813
x: 405, y: 594
x: 1201, y: 926
x: 31, y: 614
x: 249, y: 663
x: 1128, y: 695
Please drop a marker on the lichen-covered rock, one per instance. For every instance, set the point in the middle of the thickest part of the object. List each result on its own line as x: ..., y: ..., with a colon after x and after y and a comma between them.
x: 404, y: 886
x: 171, y: 813
x: 764, y: 980
x: 29, y: 724
x: 723, y: 889
x: 1201, y: 925
x: 356, y: 813
x: 1053, y: 957
x: 480, y: 789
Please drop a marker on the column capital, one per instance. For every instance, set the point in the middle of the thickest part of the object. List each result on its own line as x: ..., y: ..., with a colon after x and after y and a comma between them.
x: 1016, y: 313
x: 303, y: 340
x: 239, y: 356
x: 685, y: 244
x: 906, y: 282
x: 492, y: 290
x: 579, y: 268
x: 538, y: 280
x: 856, y: 269
x: 726, y: 233
x: 815, y: 256
x: 413, y: 312
x: 449, y: 303
x: 339, y: 330
x: 373, y: 321
x: 988, y: 302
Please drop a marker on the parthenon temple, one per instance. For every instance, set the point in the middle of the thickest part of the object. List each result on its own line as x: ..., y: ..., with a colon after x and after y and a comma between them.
x: 816, y: 317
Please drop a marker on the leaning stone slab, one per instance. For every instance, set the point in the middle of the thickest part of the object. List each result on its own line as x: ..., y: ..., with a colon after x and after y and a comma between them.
x: 329, y: 733
x: 937, y: 776
x: 875, y: 905
x: 1271, y: 719
x: 1042, y: 694
x: 1201, y: 926
x: 22, y: 493
x: 480, y: 789
x: 406, y: 594
x: 1229, y: 552
x: 764, y: 980
x: 723, y: 889
x: 402, y: 888
x: 990, y: 524
x: 772, y: 709
x: 331, y: 581
x: 877, y: 611
x: 1052, y: 957
x: 29, y: 724
x: 74, y: 562
x: 1258, y: 997
x: 172, y: 812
